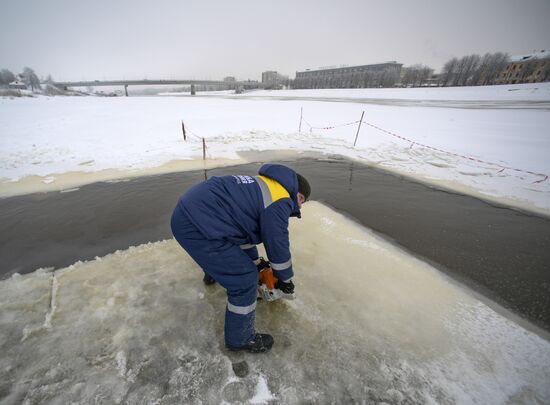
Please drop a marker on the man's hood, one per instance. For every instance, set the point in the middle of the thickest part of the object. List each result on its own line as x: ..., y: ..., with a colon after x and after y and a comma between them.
x: 287, y: 178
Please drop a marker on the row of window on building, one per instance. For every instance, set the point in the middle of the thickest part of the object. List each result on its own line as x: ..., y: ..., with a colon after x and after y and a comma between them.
x: 533, y: 68
x: 376, y: 75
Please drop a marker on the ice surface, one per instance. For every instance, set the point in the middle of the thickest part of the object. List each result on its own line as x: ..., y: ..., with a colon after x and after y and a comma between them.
x: 512, y: 92
x: 63, y: 142
x: 370, y: 325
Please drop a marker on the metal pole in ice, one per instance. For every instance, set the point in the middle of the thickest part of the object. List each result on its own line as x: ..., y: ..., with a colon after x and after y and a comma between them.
x: 359, y: 128
x: 183, y: 130
x: 301, y: 114
x: 203, y: 149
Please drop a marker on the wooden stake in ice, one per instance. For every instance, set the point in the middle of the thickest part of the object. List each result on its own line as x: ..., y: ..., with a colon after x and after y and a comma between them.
x: 358, y: 128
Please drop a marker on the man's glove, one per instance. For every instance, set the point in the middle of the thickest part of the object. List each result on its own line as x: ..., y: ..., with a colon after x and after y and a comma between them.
x: 262, y: 264
x: 287, y: 288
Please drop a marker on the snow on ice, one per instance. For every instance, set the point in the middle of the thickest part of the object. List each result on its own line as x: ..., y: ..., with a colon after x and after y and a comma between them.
x: 374, y: 325
x: 60, y: 142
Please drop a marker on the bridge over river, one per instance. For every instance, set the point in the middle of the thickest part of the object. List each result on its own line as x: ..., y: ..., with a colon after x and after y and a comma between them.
x: 236, y: 85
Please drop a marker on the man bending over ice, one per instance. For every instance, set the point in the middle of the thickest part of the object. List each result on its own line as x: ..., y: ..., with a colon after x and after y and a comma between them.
x: 220, y: 221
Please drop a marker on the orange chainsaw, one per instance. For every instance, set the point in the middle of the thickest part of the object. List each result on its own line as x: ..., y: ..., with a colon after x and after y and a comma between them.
x: 266, y: 286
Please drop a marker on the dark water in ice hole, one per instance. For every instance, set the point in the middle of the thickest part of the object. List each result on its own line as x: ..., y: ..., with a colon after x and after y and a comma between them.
x: 500, y: 252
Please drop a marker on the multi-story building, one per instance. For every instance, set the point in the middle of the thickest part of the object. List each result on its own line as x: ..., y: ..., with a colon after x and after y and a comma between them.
x: 377, y: 75
x: 532, y: 68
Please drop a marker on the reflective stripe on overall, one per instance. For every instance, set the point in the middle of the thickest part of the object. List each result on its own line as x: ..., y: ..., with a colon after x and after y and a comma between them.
x: 271, y: 192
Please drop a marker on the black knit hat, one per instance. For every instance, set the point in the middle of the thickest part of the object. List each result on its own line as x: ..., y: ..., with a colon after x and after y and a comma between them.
x: 303, y: 186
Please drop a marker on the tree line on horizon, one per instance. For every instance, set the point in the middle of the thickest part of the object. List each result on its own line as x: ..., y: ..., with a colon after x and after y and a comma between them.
x: 474, y: 70
x: 470, y: 70
x: 27, y: 76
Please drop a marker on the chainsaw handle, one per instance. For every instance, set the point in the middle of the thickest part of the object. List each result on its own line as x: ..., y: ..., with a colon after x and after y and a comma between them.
x: 267, y: 278
x: 262, y: 264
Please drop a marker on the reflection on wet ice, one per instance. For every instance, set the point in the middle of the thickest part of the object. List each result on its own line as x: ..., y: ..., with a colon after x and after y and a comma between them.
x: 370, y: 324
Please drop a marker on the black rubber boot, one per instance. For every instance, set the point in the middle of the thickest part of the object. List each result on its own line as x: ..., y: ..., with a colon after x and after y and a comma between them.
x: 208, y: 280
x: 260, y: 343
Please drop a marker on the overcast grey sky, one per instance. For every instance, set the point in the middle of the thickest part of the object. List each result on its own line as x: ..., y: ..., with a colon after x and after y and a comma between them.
x: 100, y: 39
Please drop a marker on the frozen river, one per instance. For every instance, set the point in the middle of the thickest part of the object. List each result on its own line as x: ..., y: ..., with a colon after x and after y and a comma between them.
x: 371, y: 323
x: 465, y: 104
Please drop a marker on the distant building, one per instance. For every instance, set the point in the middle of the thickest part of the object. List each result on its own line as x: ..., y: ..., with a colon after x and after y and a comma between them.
x: 17, y: 85
x: 273, y: 80
x: 229, y: 79
x: 532, y: 68
x: 377, y: 75
x: 269, y: 76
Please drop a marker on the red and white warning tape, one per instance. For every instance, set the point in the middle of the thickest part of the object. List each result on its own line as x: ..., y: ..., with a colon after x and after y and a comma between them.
x: 502, y: 168
x: 543, y: 176
x: 330, y: 127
